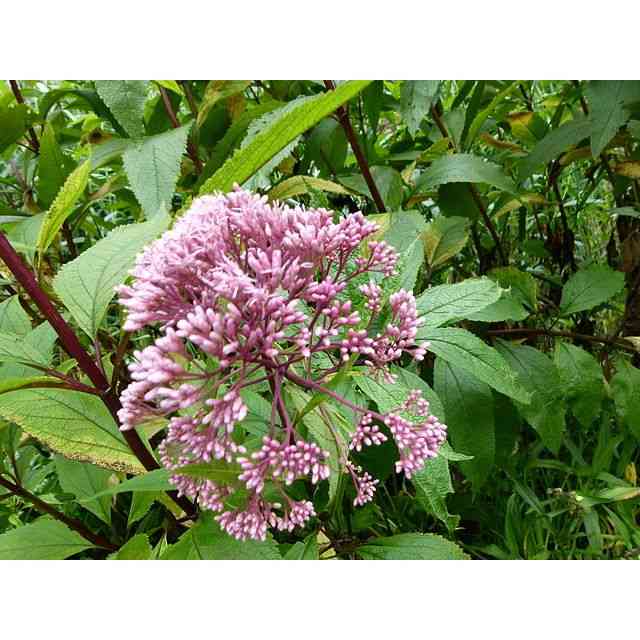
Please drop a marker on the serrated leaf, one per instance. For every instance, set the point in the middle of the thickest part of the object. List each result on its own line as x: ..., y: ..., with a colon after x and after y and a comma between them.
x: 206, y: 541
x: 53, y: 168
x: 411, y: 546
x: 43, y: 539
x: 583, y: 382
x: 553, y: 144
x: 464, y: 167
x: 607, y: 113
x: 13, y: 318
x: 537, y: 373
x: 590, y: 287
x: 83, y: 480
x: 77, y: 425
x: 298, y: 185
x: 416, y: 98
x: 86, y: 285
x: 279, y: 134
x: 433, y: 483
x: 468, y: 352
x: 443, y: 238
x: 63, y: 205
x: 452, y: 302
x: 153, y: 165
x: 125, y: 99
x: 306, y: 550
x: 470, y: 420
x: 137, y: 548
x: 404, y: 233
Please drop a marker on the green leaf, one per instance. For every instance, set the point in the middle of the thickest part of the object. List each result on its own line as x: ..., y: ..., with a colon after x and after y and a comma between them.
x: 217, y: 470
x: 388, y: 181
x: 153, y: 166
x: 471, y: 426
x: 43, y: 539
x: 13, y: 123
x: 506, y: 308
x: 433, y: 483
x: 536, y: 372
x: 12, y: 384
x: 279, y: 134
x: 14, y: 348
x: 522, y: 284
x: 489, y: 110
x: 148, y: 482
x: 13, y: 318
x: 306, y: 550
x: 125, y: 100
x: 411, y: 546
x: 590, y: 287
x: 582, y: 379
x: 137, y: 548
x: 464, y: 167
x: 86, y: 285
x: 469, y: 353
x: 77, y: 425
x: 452, y: 302
x: 405, y: 234
x: 206, y: 541
x: 443, y: 238
x: 53, y: 167
x: 625, y: 388
x: 607, y: 113
x: 553, y: 144
x: 216, y: 91
x: 84, y: 480
x: 416, y: 98
x: 63, y: 205
x: 298, y: 185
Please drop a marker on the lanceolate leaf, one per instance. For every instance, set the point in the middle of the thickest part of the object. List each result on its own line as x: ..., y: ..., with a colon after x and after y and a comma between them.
x: 416, y: 98
x: 75, y: 424
x: 451, y: 302
x: 443, y: 238
x: 464, y: 167
x: 52, y: 168
x: 470, y: 420
x: 153, y: 166
x: 86, y: 284
x: 63, y: 205
x: 298, y: 185
x: 607, y: 113
x: 44, y: 539
x: 125, y: 99
x: 590, y: 287
x: 411, y: 546
x: 468, y: 352
x: 279, y: 134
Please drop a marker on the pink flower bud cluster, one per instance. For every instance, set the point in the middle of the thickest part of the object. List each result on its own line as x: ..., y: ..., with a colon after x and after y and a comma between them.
x: 243, y: 291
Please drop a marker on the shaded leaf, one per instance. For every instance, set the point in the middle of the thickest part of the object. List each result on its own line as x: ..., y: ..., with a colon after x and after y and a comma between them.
x: 590, y: 287
x: 411, y: 546
x: 443, y: 238
x: 125, y: 99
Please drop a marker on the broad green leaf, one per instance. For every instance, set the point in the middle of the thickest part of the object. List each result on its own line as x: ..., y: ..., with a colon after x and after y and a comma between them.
x: 53, y: 167
x: 607, y: 113
x: 83, y: 480
x: 137, y: 548
x: 218, y: 90
x: 43, y: 539
x: 298, y: 185
x: 206, y: 541
x: 141, y: 502
x: 404, y: 233
x: 13, y: 123
x: 279, y: 134
x: 625, y: 388
x: 63, y: 205
x: 433, y: 483
x: 13, y: 384
x: 77, y: 425
x: 388, y: 181
x: 489, y: 110
x: 468, y: 352
x: 582, y: 379
x: 443, y: 238
x: 456, y: 199
x: 537, y: 373
x: 416, y: 98
x: 470, y: 421
x: 553, y: 144
x: 452, y: 302
x: 86, y: 285
x: 590, y: 287
x: 14, y: 348
x: 125, y: 99
x: 24, y: 235
x: 217, y: 470
x: 40, y: 340
x: 522, y: 284
x: 13, y: 318
x: 506, y: 308
x: 153, y: 166
x: 411, y: 546
x: 464, y: 167
x: 304, y: 550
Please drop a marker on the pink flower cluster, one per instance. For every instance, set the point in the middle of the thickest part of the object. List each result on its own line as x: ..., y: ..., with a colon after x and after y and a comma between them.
x: 246, y: 292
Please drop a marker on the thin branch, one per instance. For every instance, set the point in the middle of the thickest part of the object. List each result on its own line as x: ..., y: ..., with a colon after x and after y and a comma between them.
x: 191, y: 150
x: 43, y: 507
x: 620, y: 343
x: 20, y: 99
x: 72, y: 346
x: 343, y: 118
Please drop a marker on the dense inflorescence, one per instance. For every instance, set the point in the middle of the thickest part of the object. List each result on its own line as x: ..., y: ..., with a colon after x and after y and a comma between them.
x: 245, y: 293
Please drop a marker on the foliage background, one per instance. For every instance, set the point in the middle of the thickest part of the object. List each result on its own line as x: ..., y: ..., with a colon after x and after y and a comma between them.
x: 530, y: 184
